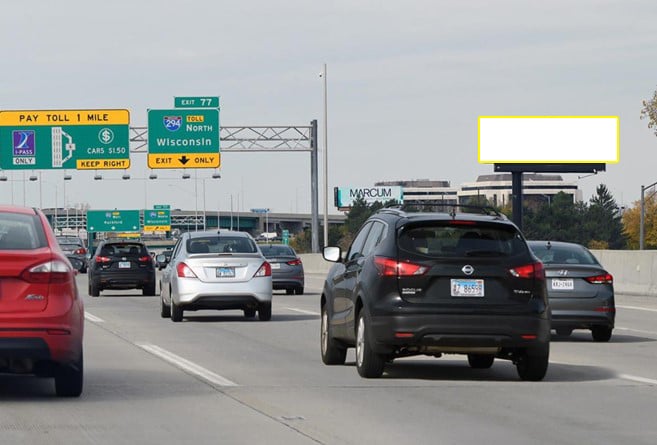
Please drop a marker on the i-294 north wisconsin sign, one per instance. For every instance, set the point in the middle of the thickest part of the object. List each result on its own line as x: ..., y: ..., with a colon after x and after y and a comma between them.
x: 65, y: 139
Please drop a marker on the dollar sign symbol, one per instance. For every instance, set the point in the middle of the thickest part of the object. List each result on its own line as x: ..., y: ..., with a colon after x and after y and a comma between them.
x: 106, y: 135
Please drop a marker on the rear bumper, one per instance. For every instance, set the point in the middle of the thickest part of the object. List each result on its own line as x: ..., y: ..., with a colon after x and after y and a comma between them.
x: 121, y: 280
x: 582, y: 313
x: 287, y: 283
x: 192, y: 293
x: 57, y: 344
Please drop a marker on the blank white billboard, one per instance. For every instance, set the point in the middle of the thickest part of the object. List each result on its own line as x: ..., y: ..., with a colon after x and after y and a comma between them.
x: 549, y: 139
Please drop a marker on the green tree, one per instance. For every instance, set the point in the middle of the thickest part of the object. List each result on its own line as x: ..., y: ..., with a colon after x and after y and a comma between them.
x: 603, y: 222
x: 649, y: 111
x: 632, y: 223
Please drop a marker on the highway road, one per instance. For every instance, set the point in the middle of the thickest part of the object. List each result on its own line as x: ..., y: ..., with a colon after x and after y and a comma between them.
x: 219, y: 378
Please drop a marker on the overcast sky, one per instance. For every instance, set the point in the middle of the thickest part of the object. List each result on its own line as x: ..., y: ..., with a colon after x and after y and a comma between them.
x: 406, y: 82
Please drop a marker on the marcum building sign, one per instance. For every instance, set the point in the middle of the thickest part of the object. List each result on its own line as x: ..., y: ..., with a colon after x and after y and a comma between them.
x: 345, y: 196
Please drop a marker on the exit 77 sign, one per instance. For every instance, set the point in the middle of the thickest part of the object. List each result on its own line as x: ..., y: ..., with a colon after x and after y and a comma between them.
x: 65, y: 139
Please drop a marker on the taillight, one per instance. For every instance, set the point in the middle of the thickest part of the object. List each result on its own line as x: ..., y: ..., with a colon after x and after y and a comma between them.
x: 144, y: 259
x: 533, y: 270
x: 81, y: 251
x: 102, y: 259
x: 457, y: 222
x: 54, y: 271
x: 264, y: 271
x: 601, y: 279
x: 296, y: 262
x: 184, y: 271
x: 392, y: 268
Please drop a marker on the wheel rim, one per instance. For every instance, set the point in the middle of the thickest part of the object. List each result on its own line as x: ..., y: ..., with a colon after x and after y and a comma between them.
x: 324, y: 332
x: 360, y: 341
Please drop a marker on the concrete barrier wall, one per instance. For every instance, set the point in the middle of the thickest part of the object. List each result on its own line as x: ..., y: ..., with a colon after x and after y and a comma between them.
x: 635, y: 272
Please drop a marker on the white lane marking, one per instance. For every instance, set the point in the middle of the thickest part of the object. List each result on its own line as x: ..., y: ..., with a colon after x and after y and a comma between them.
x: 634, y: 378
x: 636, y: 330
x: 186, y: 365
x: 301, y: 311
x: 92, y: 317
x: 637, y: 308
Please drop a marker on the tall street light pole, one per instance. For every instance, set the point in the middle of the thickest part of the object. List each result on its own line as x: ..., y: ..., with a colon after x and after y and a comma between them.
x: 643, y: 215
x: 326, y: 194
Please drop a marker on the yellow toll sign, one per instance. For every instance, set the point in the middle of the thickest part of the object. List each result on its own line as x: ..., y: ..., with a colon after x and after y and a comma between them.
x: 184, y: 160
x: 65, y: 117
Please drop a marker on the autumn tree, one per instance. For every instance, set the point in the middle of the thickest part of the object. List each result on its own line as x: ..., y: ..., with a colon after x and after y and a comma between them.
x: 632, y: 223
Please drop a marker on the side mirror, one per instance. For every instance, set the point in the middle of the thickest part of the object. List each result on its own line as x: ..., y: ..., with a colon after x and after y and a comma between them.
x: 332, y: 254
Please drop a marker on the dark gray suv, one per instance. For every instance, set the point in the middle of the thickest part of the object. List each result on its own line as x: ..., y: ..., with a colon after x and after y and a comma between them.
x: 438, y: 283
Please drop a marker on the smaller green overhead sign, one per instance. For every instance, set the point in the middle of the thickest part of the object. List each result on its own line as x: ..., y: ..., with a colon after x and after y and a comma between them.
x: 113, y: 221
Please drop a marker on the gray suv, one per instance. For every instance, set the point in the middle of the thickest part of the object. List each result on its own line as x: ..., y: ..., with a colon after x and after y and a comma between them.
x: 415, y: 283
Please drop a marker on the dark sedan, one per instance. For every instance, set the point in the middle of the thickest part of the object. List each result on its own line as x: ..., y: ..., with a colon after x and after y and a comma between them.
x: 580, y: 290
x: 286, y: 268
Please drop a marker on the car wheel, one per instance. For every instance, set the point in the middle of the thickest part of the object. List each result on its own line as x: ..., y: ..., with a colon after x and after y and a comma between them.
x: 83, y: 269
x: 601, y: 333
x: 249, y: 313
x: 481, y: 361
x: 149, y: 290
x: 533, y: 364
x: 299, y: 290
x: 289, y: 291
x: 332, y: 352
x: 176, y: 312
x: 368, y: 363
x: 264, y: 311
x: 93, y: 289
x: 69, y: 379
x: 165, y: 310
x: 564, y: 332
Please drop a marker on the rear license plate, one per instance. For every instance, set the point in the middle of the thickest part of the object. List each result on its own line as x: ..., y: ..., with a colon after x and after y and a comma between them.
x: 124, y: 264
x: 225, y: 272
x: 275, y: 265
x: 563, y: 284
x: 467, y: 288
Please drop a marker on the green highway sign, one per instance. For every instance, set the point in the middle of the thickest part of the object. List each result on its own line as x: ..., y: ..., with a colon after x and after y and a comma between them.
x: 65, y: 139
x: 162, y: 207
x: 183, y: 138
x: 113, y: 221
x: 157, y: 220
x: 196, y: 102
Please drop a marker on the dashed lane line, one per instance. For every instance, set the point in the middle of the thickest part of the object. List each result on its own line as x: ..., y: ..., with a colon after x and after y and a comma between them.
x: 301, y: 311
x: 637, y: 379
x: 636, y: 308
x: 186, y: 365
x: 640, y: 331
x: 92, y: 318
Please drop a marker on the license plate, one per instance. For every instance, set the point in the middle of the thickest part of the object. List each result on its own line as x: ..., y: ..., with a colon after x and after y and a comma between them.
x: 467, y: 288
x: 225, y: 272
x: 275, y: 265
x: 563, y: 284
x: 124, y: 264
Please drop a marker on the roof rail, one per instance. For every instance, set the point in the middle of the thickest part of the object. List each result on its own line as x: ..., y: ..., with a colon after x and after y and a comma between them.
x: 447, y: 208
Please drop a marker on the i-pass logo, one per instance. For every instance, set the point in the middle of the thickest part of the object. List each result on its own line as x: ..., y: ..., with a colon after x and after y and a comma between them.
x: 172, y: 123
x: 23, y: 143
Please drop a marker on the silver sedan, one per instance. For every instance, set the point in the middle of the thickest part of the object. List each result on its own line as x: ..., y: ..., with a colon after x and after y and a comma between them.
x: 216, y: 270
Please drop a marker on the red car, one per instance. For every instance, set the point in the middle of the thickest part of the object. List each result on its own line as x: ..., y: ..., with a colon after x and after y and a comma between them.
x: 41, y: 312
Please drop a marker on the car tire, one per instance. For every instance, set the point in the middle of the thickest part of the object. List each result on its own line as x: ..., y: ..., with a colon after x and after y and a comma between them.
x: 299, y: 290
x: 149, y: 290
x: 601, y: 333
x: 289, y: 291
x: 564, y: 332
x: 176, y: 312
x: 264, y: 311
x: 332, y: 352
x: 368, y: 363
x: 249, y: 313
x: 481, y: 361
x: 93, y: 289
x: 69, y: 379
x: 533, y: 364
x: 165, y: 310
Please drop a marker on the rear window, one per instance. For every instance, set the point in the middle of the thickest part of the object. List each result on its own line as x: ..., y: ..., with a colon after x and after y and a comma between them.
x: 445, y: 240
x: 221, y: 244
x: 19, y: 231
x: 563, y: 254
x: 272, y: 251
x: 123, y: 249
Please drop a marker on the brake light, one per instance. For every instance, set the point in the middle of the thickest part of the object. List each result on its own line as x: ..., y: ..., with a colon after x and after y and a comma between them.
x: 388, y: 267
x: 81, y: 251
x: 102, y: 259
x: 457, y: 222
x: 296, y: 262
x: 264, y: 271
x: 184, y: 271
x: 601, y: 279
x: 54, y: 271
x: 533, y: 270
x: 145, y: 259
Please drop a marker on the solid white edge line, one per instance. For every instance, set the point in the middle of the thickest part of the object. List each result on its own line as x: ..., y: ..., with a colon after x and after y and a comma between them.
x: 634, y: 378
x: 636, y: 308
x: 301, y: 311
x: 186, y: 365
x: 636, y: 330
x: 92, y: 317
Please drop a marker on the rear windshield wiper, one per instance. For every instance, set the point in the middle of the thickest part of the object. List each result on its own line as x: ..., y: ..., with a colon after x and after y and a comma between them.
x: 484, y: 253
